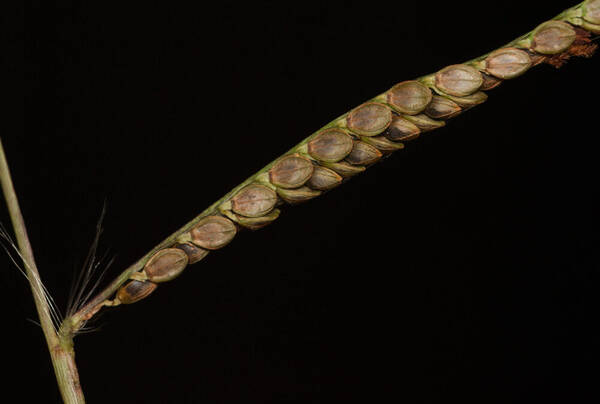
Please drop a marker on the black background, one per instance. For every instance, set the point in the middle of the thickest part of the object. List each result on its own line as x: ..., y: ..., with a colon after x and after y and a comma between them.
x: 462, y: 268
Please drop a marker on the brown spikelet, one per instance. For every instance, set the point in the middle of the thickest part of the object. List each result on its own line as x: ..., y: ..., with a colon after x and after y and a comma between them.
x: 582, y: 46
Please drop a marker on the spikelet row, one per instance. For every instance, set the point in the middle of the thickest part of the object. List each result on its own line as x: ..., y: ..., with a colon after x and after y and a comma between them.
x: 355, y: 141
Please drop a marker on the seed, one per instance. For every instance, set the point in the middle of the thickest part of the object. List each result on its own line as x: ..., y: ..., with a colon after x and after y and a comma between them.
x: 459, y: 80
x: 324, y: 179
x: 330, y: 145
x: 298, y: 195
x: 291, y: 172
x: 595, y: 28
x: 442, y: 108
x: 134, y: 291
x: 254, y: 200
x: 402, y: 130
x: 344, y: 169
x: 213, y: 232
x: 591, y: 11
x: 255, y: 223
x: 470, y: 100
x: 507, y: 63
x: 363, y: 154
x: 409, y: 97
x: 489, y: 82
x: 591, y: 16
x: 383, y: 144
x: 369, y: 119
x: 193, y: 252
x: 425, y: 123
x: 553, y: 37
x: 166, y: 265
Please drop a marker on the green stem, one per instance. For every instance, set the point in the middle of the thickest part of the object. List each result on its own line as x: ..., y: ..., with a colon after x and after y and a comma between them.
x: 60, y: 348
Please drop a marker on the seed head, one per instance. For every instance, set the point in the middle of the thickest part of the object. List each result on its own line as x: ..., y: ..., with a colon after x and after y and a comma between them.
x: 213, y: 232
x: 297, y: 195
x: 363, y: 154
x: 591, y: 16
x: 254, y: 200
x: 553, y: 37
x: 383, y: 144
x: 255, y: 223
x: 291, y: 172
x: 193, y: 252
x: 166, y: 265
x: 324, y: 179
x: 459, y: 80
x: 591, y: 11
x: 369, y: 119
x: 470, y: 100
x: 345, y: 169
x: 330, y: 145
x: 134, y: 291
x: 409, y: 97
x: 507, y: 63
x: 442, y: 108
x: 402, y: 130
x: 424, y: 123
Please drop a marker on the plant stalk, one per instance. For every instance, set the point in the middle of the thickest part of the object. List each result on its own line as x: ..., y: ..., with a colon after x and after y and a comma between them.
x: 60, y: 347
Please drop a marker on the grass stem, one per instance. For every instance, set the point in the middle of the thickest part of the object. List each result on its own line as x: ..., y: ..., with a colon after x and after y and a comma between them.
x: 60, y: 346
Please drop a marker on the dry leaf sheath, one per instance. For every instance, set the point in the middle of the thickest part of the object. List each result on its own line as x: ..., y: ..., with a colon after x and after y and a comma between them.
x: 343, y: 148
